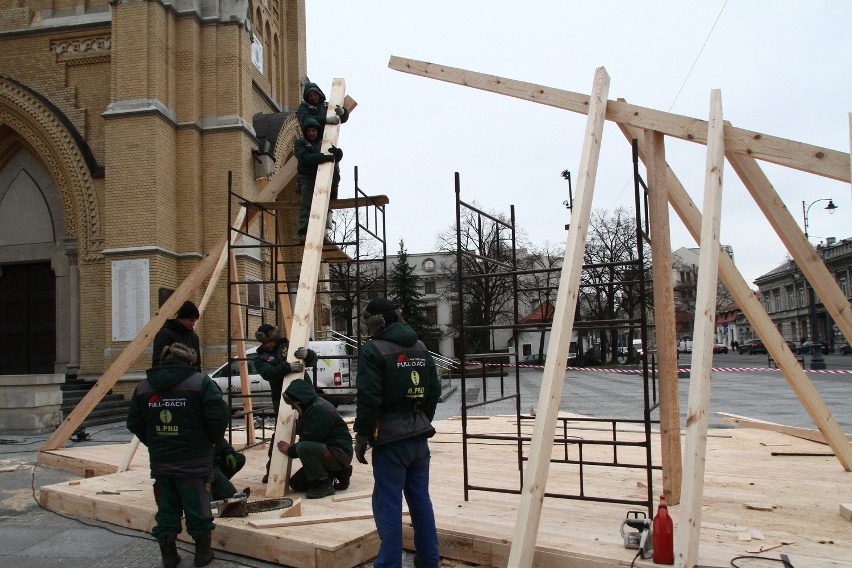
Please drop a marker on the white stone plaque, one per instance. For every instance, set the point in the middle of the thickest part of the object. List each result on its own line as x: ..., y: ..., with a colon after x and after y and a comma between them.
x: 131, y: 298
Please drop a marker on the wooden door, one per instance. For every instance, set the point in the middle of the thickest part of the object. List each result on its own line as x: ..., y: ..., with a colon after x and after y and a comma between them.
x: 27, y: 319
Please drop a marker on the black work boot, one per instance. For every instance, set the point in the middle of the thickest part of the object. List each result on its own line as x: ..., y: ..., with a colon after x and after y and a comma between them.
x: 203, y: 552
x: 322, y: 488
x: 343, y: 479
x: 168, y: 550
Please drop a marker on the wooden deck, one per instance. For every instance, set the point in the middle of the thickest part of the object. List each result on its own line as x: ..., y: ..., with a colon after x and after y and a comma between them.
x: 805, y: 493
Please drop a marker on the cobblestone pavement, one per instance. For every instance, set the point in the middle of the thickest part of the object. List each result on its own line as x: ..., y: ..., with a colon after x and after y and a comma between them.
x: 34, y: 538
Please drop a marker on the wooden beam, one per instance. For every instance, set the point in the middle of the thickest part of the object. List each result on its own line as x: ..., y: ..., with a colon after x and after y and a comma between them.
x: 345, y: 203
x: 306, y: 295
x: 805, y: 157
x: 207, y: 266
x: 535, y: 479
x: 698, y: 407
x: 128, y: 454
x: 310, y: 520
x: 804, y: 433
x: 807, y: 258
x: 664, y: 315
x: 761, y: 322
x: 236, y: 332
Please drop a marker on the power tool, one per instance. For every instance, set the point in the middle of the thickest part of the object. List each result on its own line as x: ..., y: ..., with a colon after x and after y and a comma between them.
x: 640, y: 538
x: 238, y: 505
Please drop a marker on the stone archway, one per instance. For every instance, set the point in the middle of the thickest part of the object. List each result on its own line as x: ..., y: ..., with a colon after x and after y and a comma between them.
x: 48, y: 206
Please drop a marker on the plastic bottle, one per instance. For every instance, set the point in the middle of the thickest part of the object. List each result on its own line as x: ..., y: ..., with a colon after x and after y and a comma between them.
x: 663, y: 534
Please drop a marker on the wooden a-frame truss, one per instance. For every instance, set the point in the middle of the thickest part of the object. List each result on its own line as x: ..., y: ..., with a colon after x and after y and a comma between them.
x: 742, y: 148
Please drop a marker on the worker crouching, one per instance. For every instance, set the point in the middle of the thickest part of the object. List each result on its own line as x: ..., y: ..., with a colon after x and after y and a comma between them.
x: 324, y: 446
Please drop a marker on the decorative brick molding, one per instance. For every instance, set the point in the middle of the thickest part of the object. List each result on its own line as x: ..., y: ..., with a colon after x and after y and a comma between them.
x: 290, y: 131
x: 70, y: 47
x: 54, y: 145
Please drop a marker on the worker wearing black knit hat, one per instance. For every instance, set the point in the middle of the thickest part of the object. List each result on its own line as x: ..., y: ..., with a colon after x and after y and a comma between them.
x: 271, y: 364
x: 179, y: 330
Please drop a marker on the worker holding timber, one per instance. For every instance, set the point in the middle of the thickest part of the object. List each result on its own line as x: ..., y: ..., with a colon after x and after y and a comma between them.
x: 315, y: 106
x: 398, y: 391
x: 324, y: 445
x: 309, y: 156
x: 271, y: 364
x: 179, y: 414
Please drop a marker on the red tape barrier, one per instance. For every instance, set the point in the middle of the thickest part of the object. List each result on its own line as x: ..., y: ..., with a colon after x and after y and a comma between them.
x: 639, y: 371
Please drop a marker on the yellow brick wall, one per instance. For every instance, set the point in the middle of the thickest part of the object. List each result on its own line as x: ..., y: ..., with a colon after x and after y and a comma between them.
x: 13, y: 17
x: 165, y: 183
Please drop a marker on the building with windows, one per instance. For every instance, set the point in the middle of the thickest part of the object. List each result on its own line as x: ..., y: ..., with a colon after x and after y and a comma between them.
x: 792, y: 304
x: 121, y: 124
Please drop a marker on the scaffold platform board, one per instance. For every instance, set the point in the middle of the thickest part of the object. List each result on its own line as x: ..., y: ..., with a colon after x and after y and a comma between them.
x: 761, y: 489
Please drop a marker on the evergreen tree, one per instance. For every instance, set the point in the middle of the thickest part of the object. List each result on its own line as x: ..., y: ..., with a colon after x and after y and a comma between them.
x: 402, y: 289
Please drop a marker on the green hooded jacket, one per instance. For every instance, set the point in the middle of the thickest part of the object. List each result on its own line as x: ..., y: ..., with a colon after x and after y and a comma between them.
x: 309, y: 156
x: 396, y: 377
x: 179, y: 414
x: 319, y: 420
x: 307, y: 110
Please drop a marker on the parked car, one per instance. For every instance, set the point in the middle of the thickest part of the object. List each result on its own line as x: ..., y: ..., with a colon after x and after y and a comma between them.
x: 720, y: 348
x: 684, y: 346
x: 533, y: 359
x: 333, y: 380
x: 810, y: 347
x: 791, y: 345
x: 845, y: 349
x: 752, y: 346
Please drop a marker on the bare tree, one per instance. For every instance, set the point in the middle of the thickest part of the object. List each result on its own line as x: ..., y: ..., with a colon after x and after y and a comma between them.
x: 489, y: 298
x: 352, y: 282
x: 608, y: 291
x: 538, y: 290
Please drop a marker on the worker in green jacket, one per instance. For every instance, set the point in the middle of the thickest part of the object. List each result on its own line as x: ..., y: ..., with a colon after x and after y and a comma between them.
x: 179, y: 414
x: 271, y: 364
x: 309, y: 156
x: 324, y: 445
x: 398, y: 392
x: 315, y: 106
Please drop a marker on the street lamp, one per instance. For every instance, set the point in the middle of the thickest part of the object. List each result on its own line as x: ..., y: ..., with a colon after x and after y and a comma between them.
x: 817, y: 360
x: 568, y: 203
x: 831, y: 207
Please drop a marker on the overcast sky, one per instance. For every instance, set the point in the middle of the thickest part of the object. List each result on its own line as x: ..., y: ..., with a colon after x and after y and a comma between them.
x: 784, y: 68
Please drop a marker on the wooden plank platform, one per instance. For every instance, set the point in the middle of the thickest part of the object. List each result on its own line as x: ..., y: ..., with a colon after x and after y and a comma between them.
x: 805, y: 491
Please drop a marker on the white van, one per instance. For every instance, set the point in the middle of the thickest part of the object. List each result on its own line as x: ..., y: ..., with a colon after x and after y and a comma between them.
x: 333, y: 378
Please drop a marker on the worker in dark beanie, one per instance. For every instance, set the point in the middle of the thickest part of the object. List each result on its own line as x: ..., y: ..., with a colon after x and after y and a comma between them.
x: 179, y: 330
x: 179, y: 414
x: 271, y: 364
x: 398, y: 391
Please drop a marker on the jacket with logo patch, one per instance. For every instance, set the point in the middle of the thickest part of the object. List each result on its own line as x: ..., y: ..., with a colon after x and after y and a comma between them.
x: 319, y: 422
x: 397, y: 378
x: 179, y: 414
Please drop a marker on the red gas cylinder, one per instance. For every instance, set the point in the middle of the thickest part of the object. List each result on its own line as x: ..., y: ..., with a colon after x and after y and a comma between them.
x: 663, y: 534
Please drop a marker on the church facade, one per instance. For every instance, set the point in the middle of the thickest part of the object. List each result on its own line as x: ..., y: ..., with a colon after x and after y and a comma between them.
x: 120, y: 123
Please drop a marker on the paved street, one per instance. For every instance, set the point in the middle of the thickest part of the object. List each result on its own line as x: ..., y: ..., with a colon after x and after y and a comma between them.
x: 33, y: 538
x: 762, y: 395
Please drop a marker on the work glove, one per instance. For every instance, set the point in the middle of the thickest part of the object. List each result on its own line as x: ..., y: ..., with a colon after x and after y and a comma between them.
x: 339, y: 111
x: 297, y: 367
x: 231, y: 461
x: 332, y: 120
x: 301, y: 353
x: 361, y: 444
x: 336, y: 152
